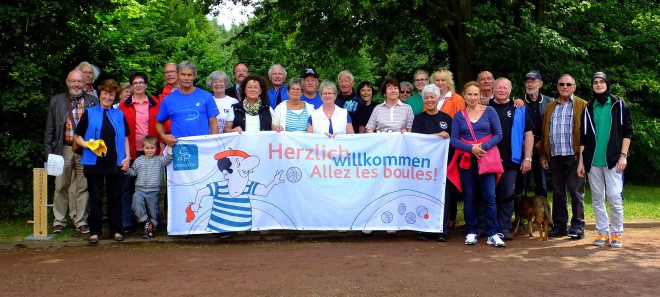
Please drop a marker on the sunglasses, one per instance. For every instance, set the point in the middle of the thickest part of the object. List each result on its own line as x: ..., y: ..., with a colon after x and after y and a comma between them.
x: 405, y: 92
x: 565, y: 84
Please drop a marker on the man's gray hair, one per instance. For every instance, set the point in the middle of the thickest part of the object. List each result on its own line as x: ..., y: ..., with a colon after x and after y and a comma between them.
x: 566, y: 74
x: 217, y: 75
x: 347, y: 73
x: 431, y: 88
x: 270, y: 70
x: 186, y: 65
x: 95, y: 69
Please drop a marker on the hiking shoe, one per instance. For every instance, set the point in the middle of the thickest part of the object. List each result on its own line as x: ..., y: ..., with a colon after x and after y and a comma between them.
x: 616, y: 241
x: 147, y: 231
x: 495, y: 241
x: 58, y: 229
x: 601, y: 240
x: 471, y: 239
x: 84, y: 229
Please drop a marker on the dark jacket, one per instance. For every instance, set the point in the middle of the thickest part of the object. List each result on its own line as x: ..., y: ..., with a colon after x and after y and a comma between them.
x: 56, y: 121
x: 622, y: 127
x: 544, y: 100
x: 265, y: 119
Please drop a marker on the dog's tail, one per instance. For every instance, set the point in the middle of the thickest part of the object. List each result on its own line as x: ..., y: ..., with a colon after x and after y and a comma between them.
x: 546, y: 207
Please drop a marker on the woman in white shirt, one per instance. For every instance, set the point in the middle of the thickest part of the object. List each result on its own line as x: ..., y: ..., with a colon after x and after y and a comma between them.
x: 329, y: 119
x: 292, y: 115
x: 217, y: 82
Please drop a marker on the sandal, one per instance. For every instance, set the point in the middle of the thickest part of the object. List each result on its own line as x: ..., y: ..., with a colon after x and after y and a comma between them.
x: 118, y: 237
x: 94, y: 239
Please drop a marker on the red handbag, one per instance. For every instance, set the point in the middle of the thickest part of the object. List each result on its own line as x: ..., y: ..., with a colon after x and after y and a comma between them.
x: 491, y: 162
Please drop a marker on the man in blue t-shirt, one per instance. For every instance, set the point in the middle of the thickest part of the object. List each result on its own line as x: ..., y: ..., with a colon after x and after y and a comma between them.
x: 191, y: 110
x: 310, y: 85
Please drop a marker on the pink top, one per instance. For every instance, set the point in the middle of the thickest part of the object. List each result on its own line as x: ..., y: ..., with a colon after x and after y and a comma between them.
x: 141, y: 122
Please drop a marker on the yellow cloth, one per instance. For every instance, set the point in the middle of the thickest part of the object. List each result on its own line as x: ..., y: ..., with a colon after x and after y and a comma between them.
x: 97, y: 146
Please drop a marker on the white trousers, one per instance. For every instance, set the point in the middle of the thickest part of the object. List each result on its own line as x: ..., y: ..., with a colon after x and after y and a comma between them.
x: 607, y: 183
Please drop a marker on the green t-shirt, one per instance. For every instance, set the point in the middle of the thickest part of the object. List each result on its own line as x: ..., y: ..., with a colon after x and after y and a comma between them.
x: 603, y: 122
x: 416, y: 102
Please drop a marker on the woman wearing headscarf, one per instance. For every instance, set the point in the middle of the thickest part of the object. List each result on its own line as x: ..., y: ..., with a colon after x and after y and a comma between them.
x: 604, y: 143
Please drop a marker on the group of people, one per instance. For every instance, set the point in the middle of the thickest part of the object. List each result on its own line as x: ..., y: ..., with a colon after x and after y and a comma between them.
x: 569, y: 136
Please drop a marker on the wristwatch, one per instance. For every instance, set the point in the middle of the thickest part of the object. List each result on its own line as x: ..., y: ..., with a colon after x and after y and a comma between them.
x: 528, y: 159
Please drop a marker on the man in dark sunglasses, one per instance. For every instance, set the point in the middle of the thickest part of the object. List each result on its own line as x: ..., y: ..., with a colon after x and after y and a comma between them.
x: 560, y: 148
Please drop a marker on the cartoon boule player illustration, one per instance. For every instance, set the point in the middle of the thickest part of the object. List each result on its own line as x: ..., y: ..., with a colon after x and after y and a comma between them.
x: 231, y: 210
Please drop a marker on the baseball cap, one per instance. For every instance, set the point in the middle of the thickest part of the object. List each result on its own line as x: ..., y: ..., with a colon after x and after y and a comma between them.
x: 310, y: 71
x: 533, y: 74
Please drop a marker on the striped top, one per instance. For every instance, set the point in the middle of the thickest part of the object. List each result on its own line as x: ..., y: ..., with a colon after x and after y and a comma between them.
x: 230, y: 213
x: 148, y: 170
x: 391, y: 119
x: 292, y: 120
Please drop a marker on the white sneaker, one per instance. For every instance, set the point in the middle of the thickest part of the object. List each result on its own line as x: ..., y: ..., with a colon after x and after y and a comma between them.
x: 471, y: 239
x: 496, y: 241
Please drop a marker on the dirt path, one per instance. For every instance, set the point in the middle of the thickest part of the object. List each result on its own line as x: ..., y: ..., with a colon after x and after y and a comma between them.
x: 345, y: 265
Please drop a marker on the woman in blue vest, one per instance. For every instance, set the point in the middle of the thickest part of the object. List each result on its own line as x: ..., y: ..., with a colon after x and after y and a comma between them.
x: 104, y: 166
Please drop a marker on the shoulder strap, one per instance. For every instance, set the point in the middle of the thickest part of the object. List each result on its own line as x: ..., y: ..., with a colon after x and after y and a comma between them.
x: 469, y: 124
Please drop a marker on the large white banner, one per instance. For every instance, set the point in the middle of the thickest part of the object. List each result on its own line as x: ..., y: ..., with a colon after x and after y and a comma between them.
x: 295, y: 181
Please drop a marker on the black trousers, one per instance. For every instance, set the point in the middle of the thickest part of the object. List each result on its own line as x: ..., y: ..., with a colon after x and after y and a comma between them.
x: 113, y: 188
x: 565, y: 179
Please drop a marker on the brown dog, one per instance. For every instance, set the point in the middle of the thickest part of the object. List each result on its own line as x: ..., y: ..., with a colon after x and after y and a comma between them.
x: 533, y: 208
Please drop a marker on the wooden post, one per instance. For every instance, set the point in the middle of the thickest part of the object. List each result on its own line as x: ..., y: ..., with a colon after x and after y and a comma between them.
x: 40, y: 200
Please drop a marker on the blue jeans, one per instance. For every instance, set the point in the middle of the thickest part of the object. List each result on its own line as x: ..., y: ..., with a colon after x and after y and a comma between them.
x: 471, y: 180
x: 145, y: 205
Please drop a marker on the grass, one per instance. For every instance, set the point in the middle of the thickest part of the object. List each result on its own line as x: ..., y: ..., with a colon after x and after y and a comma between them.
x: 640, y: 205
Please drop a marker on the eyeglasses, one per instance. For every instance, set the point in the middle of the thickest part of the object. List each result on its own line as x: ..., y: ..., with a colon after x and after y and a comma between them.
x: 295, y: 89
x: 138, y: 83
x: 565, y: 84
x: 421, y: 79
x: 405, y: 92
x: 599, y: 82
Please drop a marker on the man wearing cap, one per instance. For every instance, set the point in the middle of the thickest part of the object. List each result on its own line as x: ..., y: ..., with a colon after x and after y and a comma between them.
x: 605, y: 139
x: 536, y: 104
x: 277, y: 93
x: 232, y: 210
x: 241, y: 71
x: 310, y: 85
x: 560, y: 149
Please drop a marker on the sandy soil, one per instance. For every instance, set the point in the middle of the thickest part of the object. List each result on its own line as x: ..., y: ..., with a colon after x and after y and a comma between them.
x: 344, y: 264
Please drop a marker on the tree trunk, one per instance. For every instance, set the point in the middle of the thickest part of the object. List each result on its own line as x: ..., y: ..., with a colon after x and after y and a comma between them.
x: 460, y: 42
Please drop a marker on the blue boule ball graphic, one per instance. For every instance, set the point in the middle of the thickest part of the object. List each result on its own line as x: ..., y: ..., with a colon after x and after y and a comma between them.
x: 402, y: 209
x: 410, y: 218
x: 386, y: 217
x: 293, y: 174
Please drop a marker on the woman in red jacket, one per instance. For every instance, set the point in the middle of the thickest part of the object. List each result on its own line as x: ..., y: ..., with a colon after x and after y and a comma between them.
x: 140, y: 111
